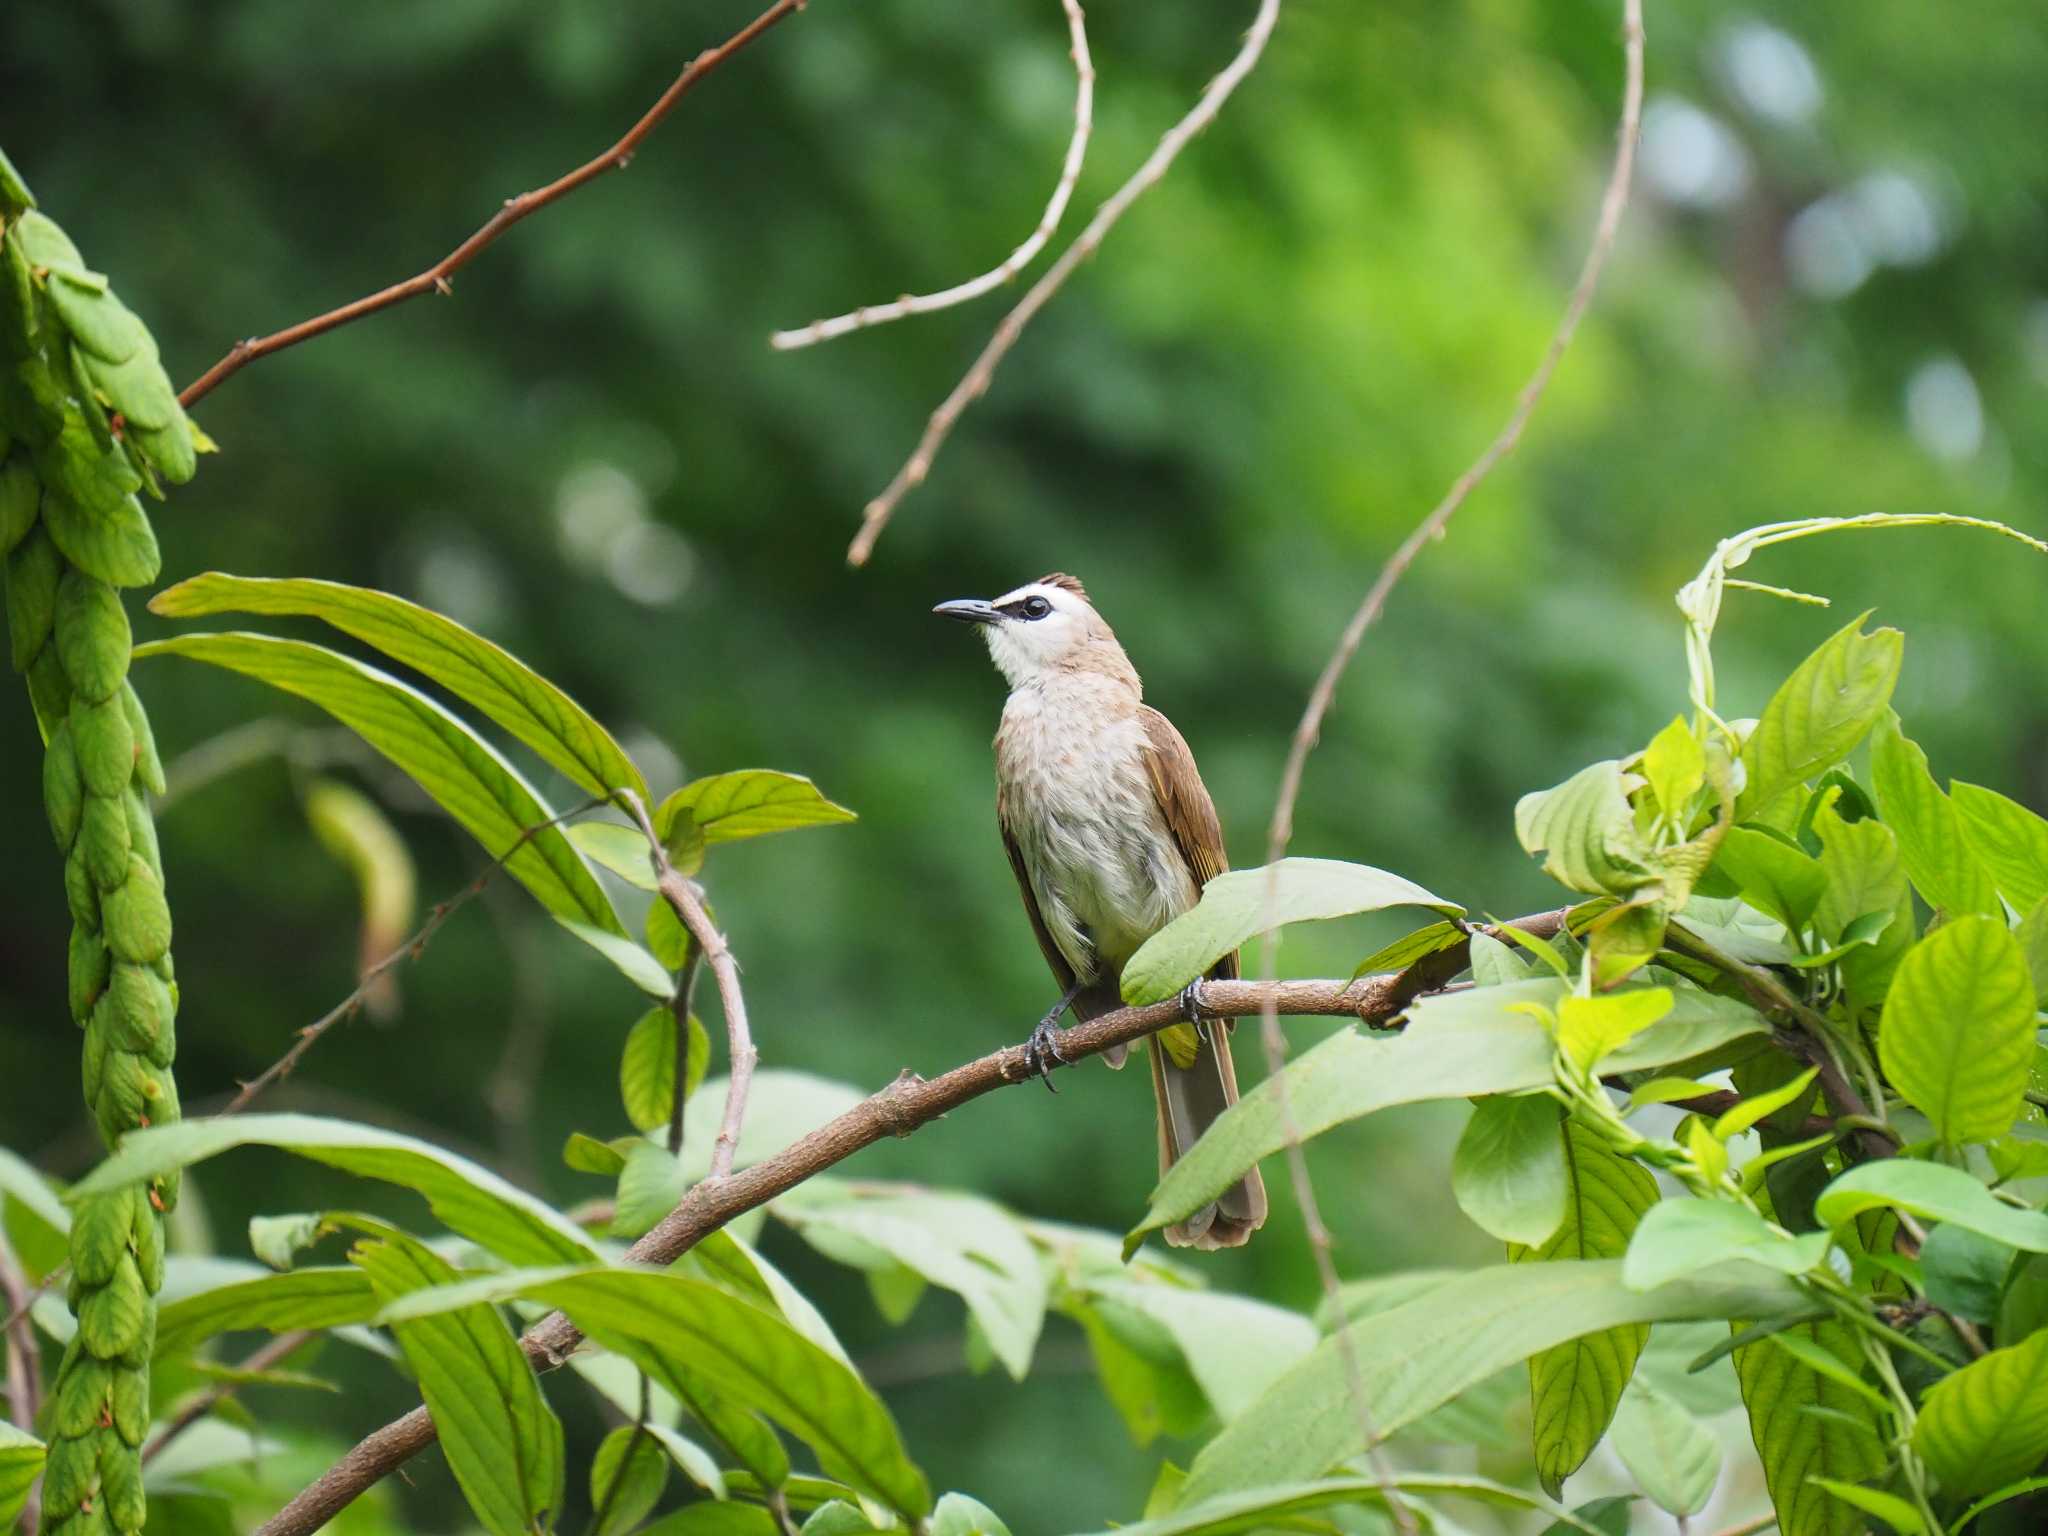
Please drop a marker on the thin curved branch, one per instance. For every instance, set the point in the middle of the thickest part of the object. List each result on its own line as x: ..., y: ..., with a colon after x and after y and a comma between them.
x: 1017, y: 260
x: 876, y: 515
x: 897, y: 1110
x: 436, y: 278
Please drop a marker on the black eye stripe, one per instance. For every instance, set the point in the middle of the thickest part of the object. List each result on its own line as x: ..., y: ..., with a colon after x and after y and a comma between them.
x: 1032, y: 607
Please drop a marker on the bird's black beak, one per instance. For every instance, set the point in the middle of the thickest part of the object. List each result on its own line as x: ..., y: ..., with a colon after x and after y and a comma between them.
x: 969, y: 610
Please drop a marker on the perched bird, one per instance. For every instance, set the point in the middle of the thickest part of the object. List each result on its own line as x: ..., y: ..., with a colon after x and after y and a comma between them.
x: 1111, y: 835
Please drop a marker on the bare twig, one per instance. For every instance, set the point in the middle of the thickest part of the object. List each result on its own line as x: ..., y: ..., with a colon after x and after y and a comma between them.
x: 272, y: 1354
x: 976, y: 381
x: 897, y: 1110
x: 679, y: 1006
x: 1281, y: 831
x: 311, y: 1034
x: 436, y: 278
x: 1017, y: 260
x: 682, y: 897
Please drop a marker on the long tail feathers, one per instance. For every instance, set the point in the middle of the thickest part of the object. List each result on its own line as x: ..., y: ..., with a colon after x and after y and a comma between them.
x: 1190, y: 1099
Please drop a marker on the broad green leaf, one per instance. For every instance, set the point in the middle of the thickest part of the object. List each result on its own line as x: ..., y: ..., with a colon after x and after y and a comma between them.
x: 1683, y: 1235
x: 1508, y: 1173
x: 1964, y: 1271
x: 1143, y: 1372
x: 1957, y: 1036
x: 1936, y: 1192
x: 1797, y: 1446
x: 1457, y: 1045
x: 627, y: 1478
x: 473, y: 669
x: 1418, y: 1356
x: 1494, y: 962
x: 751, y: 802
x: 470, y: 1199
x: 1234, y: 1346
x: 1821, y: 711
x: 1590, y: 1029
x: 1997, y: 1496
x: 1574, y: 1385
x: 1894, y: 1511
x: 21, y: 1462
x: 1987, y: 1424
x: 647, y: 1067
x: 958, y: 1515
x: 1408, y: 949
x: 1759, y: 1105
x: 1866, y: 911
x: 1264, y: 1507
x: 1673, y: 1457
x: 669, y: 1323
x: 20, y: 1182
x: 1825, y: 1363
x: 2008, y: 839
x: 1587, y: 829
x: 695, y: 1462
x: 1234, y: 908
x: 2032, y: 934
x: 316, y: 1297
x: 733, y: 1264
x: 586, y: 1154
x: 633, y: 962
x: 956, y: 1242
x: 458, y: 768
x: 1608, y: 1514
x: 651, y: 1184
x: 503, y: 1443
x: 1932, y: 844
x: 712, y: 1518
x: 1772, y: 875
x: 1676, y: 768
x: 619, y: 848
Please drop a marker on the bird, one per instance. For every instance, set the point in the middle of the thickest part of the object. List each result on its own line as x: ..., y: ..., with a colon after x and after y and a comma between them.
x: 1111, y: 835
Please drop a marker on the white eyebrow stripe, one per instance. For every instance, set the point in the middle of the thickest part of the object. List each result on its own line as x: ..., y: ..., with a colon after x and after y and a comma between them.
x: 1029, y: 589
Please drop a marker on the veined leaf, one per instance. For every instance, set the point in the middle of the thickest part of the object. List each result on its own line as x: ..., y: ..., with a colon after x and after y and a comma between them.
x: 647, y: 1067
x: 1673, y: 1457
x: 316, y: 1297
x: 1894, y: 1511
x: 1987, y: 1424
x: 2008, y: 839
x: 1957, y: 1036
x: 1586, y: 827
x: 1757, y: 1106
x: 1590, y: 1029
x: 462, y: 772
x: 666, y: 1323
x: 1682, y: 1235
x: 1405, y: 951
x: 1418, y: 1356
x: 473, y: 669
x: 470, y: 1199
x: 1508, y: 1173
x: 1575, y: 1385
x: 750, y: 802
x: 2032, y: 935
x: 1676, y: 767
x: 1267, y: 1507
x: 619, y: 848
x: 1935, y: 1192
x: 1821, y: 711
x: 21, y: 1463
x: 1798, y: 1447
x: 1233, y: 908
x: 1234, y: 1346
x: 1866, y: 911
x: 958, y: 1515
x: 1773, y: 875
x: 627, y: 1477
x: 1932, y: 845
x: 503, y: 1443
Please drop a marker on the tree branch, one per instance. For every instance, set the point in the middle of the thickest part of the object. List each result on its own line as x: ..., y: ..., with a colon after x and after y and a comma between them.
x: 1017, y: 260
x: 897, y: 1110
x: 436, y: 278
x: 274, y: 1353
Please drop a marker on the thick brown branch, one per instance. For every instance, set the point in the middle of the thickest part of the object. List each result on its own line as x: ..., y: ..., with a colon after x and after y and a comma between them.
x: 899, y: 1109
x: 435, y: 278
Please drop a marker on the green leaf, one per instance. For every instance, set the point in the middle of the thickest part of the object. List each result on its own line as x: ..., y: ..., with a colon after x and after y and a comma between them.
x: 1824, y: 1362
x: 751, y: 802
x: 316, y: 1297
x: 21, y: 1462
x: 448, y: 760
x: 651, y: 1184
x: 1987, y: 1424
x: 1932, y: 845
x: 1996, y: 1497
x: 1894, y: 1511
x: 956, y: 1242
x: 1676, y: 768
x: 1234, y: 1346
x: 695, y: 1463
x: 1822, y: 710
x: 633, y: 962
x: 1964, y: 1272
x: 484, y: 675
x: 1418, y: 1356
x: 1673, y: 1457
x: 1494, y: 962
x: 1682, y: 1235
x: 666, y: 1323
x: 1757, y: 1106
x: 958, y: 1515
x: 627, y: 1478
x: 711, y: 1518
x: 1590, y: 1029
x: 1263, y: 1507
x: 1405, y: 951
x: 1575, y: 1385
x: 20, y: 1182
x: 1935, y: 1192
x: 1867, y: 909
x: 1664, y: 1090
x: 1773, y: 875
x: 619, y: 848
x: 503, y: 1443
x: 470, y: 1199
x: 1143, y: 1372
x: 1609, y: 1515
x: 586, y: 1154
x: 647, y: 1067
x: 1957, y: 1036
x: 1456, y: 1045
x: 1589, y: 832
x: 1797, y: 1446
x: 1508, y: 1173
x: 1234, y: 906
x: 2008, y: 839
x: 2032, y: 934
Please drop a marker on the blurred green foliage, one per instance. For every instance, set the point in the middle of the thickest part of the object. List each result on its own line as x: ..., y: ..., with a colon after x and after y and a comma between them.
x: 1830, y: 297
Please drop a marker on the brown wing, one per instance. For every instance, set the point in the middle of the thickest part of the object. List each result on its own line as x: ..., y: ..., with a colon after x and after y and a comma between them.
x: 1062, y: 972
x: 1190, y: 813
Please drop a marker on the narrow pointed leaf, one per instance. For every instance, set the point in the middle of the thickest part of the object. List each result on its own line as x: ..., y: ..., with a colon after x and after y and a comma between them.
x: 1265, y: 1507
x: 750, y: 802
x: 316, y: 1297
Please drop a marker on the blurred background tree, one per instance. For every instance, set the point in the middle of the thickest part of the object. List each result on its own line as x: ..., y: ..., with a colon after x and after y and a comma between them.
x: 1831, y: 296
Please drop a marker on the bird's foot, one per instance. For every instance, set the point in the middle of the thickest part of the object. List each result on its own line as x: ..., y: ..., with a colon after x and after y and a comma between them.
x: 1191, y: 1001
x: 1042, y: 1051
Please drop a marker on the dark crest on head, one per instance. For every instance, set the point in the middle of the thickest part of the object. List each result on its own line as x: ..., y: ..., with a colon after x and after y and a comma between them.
x: 1065, y: 583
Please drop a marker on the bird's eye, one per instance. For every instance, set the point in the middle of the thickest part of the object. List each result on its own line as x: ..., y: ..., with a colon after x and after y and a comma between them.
x: 1036, y: 608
